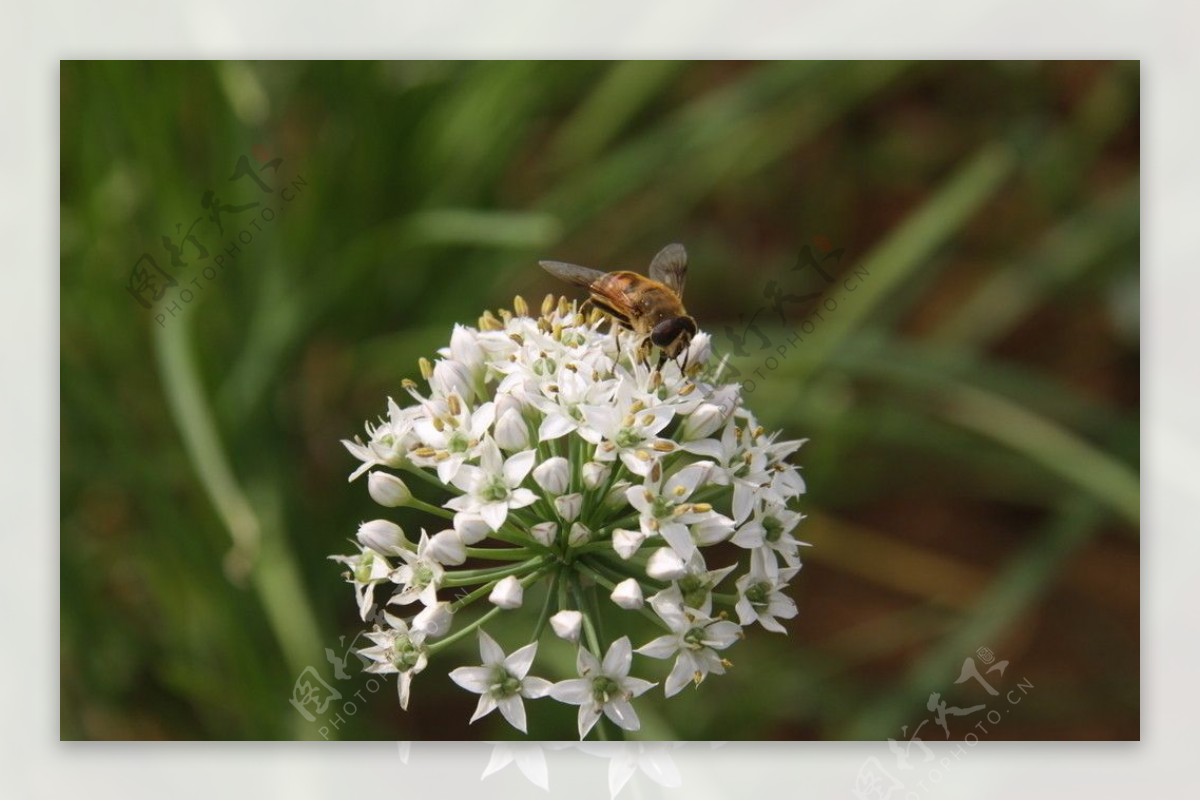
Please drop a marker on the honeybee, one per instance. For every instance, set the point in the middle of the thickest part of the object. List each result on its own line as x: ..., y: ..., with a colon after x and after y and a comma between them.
x: 650, y: 307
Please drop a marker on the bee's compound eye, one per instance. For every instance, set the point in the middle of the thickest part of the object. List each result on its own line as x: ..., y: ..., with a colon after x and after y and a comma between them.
x: 668, y: 331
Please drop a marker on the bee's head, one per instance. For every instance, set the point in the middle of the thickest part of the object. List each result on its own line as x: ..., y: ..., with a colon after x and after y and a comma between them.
x: 673, y: 335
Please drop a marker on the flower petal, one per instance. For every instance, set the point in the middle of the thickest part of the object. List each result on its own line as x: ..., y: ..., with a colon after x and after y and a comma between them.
x: 517, y: 467
x: 572, y: 691
x: 472, y: 679
x: 490, y: 650
x: 679, y: 538
x: 513, y: 710
x: 681, y: 674
x: 519, y: 661
x: 554, y: 426
x: 494, y: 514
x: 486, y: 704
x: 618, y: 659
x: 621, y: 712
x: 589, y: 713
x: 660, y: 647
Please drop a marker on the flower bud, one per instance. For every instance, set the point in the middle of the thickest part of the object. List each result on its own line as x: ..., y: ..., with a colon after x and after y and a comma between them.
x: 545, y: 533
x: 465, y: 349
x: 665, y: 565
x: 508, y: 593
x: 566, y: 624
x: 387, y: 490
x: 383, y: 537
x: 434, y: 620
x: 701, y: 423
x: 511, y: 400
x: 595, y: 474
x: 512, y: 434
x: 700, y: 349
x: 553, y: 475
x: 568, y: 506
x: 615, y: 499
x: 451, y: 377
x: 446, y: 547
x: 578, y: 535
x: 628, y: 594
x: 712, y: 529
x: 471, y: 527
x: 626, y: 542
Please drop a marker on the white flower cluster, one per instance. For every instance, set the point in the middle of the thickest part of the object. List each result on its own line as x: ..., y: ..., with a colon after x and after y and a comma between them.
x: 570, y: 464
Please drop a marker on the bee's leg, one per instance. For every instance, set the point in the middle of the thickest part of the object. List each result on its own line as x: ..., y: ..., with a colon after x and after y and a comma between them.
x: 644, y: 348
x: 662, y: 359
x: 616, y: 335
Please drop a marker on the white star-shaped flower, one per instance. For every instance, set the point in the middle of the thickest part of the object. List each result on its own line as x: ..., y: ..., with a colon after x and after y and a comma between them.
x: 502, y: 681
x: 760, y: 593
x: 419, y: 577
x: 367, y: 570
x: 494, y: 487
x: 397, y: 650
x: 604, y: 688
x: 694, y: 641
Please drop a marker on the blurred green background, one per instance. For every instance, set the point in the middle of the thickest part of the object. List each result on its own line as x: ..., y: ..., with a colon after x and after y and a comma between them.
x: 972, y: 406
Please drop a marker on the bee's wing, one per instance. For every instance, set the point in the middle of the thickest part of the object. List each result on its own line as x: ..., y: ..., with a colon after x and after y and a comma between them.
x: 571, y: 273
x: 670, y: 267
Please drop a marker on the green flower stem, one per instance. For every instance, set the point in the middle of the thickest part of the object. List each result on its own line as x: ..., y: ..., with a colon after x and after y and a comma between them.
x: 476, y: 594
x: 424, y: 475
x: 431, y: 509
x: 592, y: 571
x: 485, y: 617
x: 615, y: 474
x: 619, y: 568
x: 622, y: 570
x: 473, y: 596
x: 564, y: 588
x: 462, y: 578
x: 710, y: 494
x: 501, y: 554
x: 441, y: 645
x: 624, y: 522
x: 519, y: 516
x: 518, y: 538
x: 544, y: 615
x: 589, y: 626
x: 576, y: 449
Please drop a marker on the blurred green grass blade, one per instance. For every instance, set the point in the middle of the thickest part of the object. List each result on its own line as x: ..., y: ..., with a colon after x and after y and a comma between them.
x: 623, y: 92
x: 702, y: 125
x: 907, y: 249
x: 1062, y: 256
x: 1027, y: 576
x: 481, y: 227
x: 1057, y: 449
x: 185, y: 399
x: 257, y: 550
